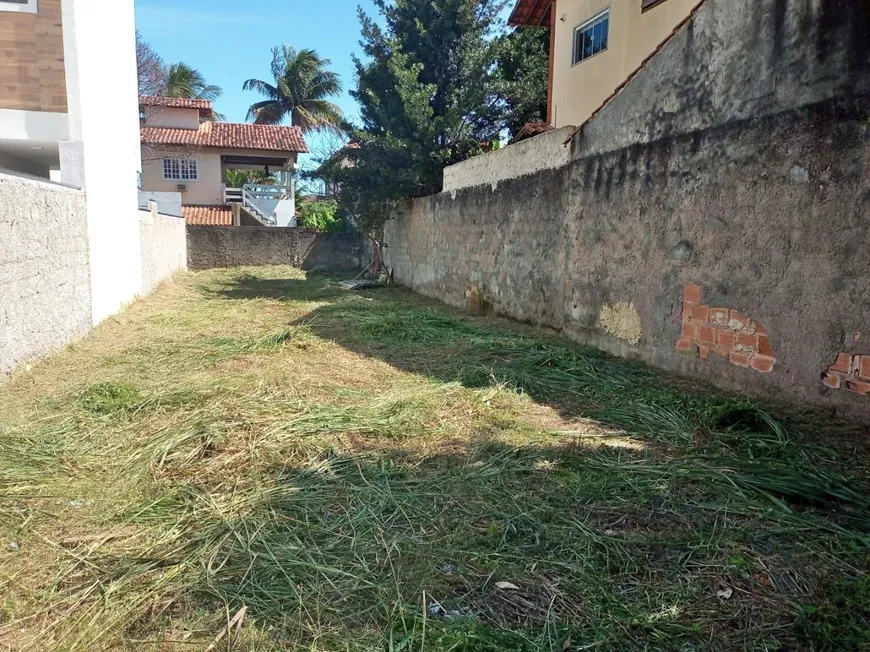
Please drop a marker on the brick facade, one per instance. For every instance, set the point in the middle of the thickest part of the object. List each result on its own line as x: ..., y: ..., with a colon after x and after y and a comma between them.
x: 32, y: 76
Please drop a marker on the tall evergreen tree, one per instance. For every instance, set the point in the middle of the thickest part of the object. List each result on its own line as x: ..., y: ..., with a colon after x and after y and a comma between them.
x: 522, y: 67
x: 426, y: 87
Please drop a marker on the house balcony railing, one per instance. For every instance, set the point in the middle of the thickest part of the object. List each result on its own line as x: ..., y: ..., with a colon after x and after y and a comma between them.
x: 266, y: 203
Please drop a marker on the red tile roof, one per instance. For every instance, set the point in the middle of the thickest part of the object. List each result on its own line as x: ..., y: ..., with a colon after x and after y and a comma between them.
x: 208, y: 215
x: 530, y: 130
x: 204, y: 106
x: 531, y: 13
x: 229, y: 136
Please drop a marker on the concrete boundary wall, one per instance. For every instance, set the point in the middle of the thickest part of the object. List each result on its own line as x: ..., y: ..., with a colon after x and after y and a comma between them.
x: 706, y: 225
x: 46, y: 295
x: 234, y: 246
x: 543, y: 152
x: 164, y: 247
x: 45, y: 291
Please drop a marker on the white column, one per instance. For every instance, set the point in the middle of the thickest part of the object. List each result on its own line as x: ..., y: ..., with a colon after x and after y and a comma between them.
x: 103, y: 154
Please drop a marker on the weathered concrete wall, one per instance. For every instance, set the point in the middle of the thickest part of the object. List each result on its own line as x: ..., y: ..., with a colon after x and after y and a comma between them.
x: 45, y: 297
x: 740, y: 60
x: 722, y: 247
x: 232, y: 246
x: 542, y: 152
x: 164, y: 248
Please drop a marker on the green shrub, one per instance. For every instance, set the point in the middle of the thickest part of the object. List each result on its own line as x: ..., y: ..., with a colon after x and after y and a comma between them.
x: 320, y: 215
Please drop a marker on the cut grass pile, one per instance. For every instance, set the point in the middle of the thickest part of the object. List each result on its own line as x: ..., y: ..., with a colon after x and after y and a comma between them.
x: 372, y: 471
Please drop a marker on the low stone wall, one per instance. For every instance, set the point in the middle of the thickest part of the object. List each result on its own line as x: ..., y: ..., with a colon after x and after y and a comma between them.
x: 235, y: 246
x: 164, y: 248
x: 543, y: 152
x: 45, y: 294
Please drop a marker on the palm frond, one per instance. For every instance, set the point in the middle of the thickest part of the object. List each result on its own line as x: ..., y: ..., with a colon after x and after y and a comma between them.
x: 302, y: 84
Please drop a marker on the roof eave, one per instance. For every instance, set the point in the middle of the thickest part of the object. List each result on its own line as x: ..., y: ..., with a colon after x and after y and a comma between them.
x: 532, y: 17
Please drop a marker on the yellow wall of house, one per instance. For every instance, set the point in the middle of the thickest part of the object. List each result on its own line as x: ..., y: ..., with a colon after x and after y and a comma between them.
x: 207, y: 190
x: 580, y: 89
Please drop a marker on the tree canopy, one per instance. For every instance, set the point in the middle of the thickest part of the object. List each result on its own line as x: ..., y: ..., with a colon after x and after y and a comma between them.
x: 302, y: 85
x: 522, y: 66
x: 438, y: 82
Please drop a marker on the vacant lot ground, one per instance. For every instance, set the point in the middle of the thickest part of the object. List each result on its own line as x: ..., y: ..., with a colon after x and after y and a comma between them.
x: 325, y: 470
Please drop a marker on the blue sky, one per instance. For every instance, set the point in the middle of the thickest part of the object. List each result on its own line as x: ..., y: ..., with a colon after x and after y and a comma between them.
x: 230, y: 41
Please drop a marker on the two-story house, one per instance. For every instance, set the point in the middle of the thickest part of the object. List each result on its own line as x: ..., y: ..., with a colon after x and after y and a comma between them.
x: 184, y: 151
x: 595, y: 45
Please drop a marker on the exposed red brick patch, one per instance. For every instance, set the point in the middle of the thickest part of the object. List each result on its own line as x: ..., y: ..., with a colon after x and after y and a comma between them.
x: 692, y: 294
x: 726, y: 332
x: 707, y: 334
x: 851, y: 372
x: 843, y: 364
x: 762, y: 363
x: 858, y: 386
x: 685, y: 345
x: 719, y: 316
x: 832, y: 380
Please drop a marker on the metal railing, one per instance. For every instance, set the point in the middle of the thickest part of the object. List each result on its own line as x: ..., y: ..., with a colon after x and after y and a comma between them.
x: 259, y: 200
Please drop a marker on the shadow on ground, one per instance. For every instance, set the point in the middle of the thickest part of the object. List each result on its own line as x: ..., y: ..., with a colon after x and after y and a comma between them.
x: 424, y: 337
x: 490, y: 547
x: 354, y: 527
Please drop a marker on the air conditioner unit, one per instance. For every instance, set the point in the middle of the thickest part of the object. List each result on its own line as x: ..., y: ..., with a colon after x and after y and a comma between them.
x: 181, y: 187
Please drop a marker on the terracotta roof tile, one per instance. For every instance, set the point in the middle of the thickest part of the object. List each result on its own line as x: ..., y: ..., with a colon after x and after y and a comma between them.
x: 175, y: 102
x: 531, y: 12
x: 229, y: 135
x: 530, y: 130
x: 208, y: 215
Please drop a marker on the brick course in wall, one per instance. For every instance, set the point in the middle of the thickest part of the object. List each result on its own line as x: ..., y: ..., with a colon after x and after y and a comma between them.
x: 849, y: 372
x: 724, y: 332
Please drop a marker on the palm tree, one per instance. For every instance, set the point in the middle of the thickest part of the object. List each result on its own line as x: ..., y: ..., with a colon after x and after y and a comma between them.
x: 184, y: 81
x: 187, y: 82
x: 302, y: 84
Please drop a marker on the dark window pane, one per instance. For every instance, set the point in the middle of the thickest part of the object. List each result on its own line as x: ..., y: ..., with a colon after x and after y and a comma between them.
x: 596, y: 36
x: 605, y: 31
x: 587, y: 43
x: 578, y: 47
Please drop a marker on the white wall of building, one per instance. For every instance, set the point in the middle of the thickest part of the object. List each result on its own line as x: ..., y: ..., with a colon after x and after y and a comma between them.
x: 103, y: 154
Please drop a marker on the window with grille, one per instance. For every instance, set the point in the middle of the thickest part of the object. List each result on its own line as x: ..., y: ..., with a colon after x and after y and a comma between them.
x: 25, y: 6
x: 180, y: 169
x: 590, y: 38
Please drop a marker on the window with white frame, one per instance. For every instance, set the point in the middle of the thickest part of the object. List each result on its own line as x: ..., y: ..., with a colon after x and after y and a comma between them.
x: 180, y: 169
x: 25, y: 6
x: 591, y: 37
